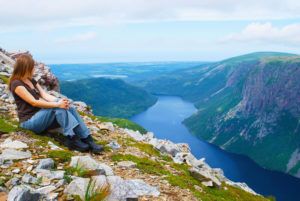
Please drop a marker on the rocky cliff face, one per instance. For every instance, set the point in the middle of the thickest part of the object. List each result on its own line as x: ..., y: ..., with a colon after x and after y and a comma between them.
x: 133, y: 166
x: 258, y: 114
x: 247, y: 105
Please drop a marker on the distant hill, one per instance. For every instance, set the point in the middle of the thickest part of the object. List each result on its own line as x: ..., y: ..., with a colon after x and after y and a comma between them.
x: 248, y: 105
x: 109, y: 97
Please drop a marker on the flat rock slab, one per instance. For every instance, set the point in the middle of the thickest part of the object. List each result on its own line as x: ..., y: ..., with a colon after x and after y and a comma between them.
x: 12, y: 154
x: 126, y: 164
x: 118, y: 188
x: 204, y: 176
x: 140, y: 188
x: 10, y: 144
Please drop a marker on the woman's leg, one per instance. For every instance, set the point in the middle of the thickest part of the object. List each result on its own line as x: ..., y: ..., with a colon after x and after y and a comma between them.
x: 44, y: 118
x: 40, y: 120
x: 81, y: 130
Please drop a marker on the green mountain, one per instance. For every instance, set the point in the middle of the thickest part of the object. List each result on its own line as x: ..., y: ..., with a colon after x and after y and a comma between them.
x: 248, y: 105
x: 109, y: 97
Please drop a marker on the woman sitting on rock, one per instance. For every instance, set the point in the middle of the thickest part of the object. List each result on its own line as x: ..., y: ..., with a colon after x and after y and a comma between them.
x: 37, y: 109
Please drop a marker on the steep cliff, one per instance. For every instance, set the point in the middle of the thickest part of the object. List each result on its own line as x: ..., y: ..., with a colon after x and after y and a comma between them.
x: 248, y: 105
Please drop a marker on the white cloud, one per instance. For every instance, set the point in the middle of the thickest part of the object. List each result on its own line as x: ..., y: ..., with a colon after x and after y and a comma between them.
x: 289, y: 34
x: 43, y: 14
x: 77, y: 38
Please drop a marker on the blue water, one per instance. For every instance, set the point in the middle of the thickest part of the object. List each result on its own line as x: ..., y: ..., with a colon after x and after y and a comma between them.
x: 164, y: 119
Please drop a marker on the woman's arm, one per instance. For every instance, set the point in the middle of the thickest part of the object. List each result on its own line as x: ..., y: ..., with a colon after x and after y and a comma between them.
x: 45, y: 95
x: 22, y: 92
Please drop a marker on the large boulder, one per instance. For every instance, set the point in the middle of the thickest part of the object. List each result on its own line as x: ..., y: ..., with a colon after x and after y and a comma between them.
x: 22, y: 193
x: 204, y: 176
x: 77, y: 187
x: 170, y: 148
x: 87, y: 162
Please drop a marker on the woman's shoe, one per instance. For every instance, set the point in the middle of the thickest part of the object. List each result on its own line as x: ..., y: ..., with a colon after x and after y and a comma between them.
x: 75, y: 143
x: 93, y: 146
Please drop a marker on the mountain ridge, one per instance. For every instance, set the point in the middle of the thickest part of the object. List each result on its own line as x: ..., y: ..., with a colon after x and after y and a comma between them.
x: 258, y: 87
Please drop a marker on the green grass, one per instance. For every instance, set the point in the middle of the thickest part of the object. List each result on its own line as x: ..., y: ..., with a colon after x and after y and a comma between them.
x: 5, y: 126
x: 60, y: 156
x: 4, y: 78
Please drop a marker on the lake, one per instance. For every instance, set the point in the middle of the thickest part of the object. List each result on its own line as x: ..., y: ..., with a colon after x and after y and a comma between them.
x: 164, y: 119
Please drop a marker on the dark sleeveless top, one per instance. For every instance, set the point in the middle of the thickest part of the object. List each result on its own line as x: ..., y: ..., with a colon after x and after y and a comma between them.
x: 25, y: 110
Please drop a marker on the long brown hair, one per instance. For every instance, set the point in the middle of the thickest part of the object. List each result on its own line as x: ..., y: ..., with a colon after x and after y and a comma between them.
x: 22, y: 69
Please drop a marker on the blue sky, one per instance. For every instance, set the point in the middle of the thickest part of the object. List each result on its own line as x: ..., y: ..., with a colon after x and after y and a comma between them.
x: 130, y: 30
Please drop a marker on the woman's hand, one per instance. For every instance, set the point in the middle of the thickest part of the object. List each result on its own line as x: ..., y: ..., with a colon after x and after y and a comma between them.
x: 63, y: 104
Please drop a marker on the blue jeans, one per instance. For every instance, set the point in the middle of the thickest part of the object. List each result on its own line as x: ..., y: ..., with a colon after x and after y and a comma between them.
x: 69, y: 120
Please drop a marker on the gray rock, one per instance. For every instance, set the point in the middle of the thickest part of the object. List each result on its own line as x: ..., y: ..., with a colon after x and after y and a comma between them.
x: 13, y: 182
x: 46, y: 189
x: 107, y: 126
x: 127, y: 164
x: 207, y: 183
x: 118, y: 188
x: 136, y: 135
x: 170, y: 148
x: 11, y: 154
x: 77, y: 187
x: 148, y: 136
x: 3, y: 109
x: 140, y: 188
x: 114, y: 145
x: 60, y: 183
x: 22, y: 193
x: 218, y: 172
x: 57, y: 175
x: 203, y: 175
x: 4, y: 96
x: 10, y: 144
x: 27, y: 178
x: 1, y: 161
x: 53, y: 146
x: 100, y: 180
x: 84, y: 161
x: 89, y: 163
x: 47, y: 163
x: 108, y: 171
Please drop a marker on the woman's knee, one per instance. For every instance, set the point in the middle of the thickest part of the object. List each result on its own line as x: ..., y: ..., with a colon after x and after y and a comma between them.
x: 72, y: 108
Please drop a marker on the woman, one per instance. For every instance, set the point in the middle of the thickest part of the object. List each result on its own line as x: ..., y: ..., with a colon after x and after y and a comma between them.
x: 37, y: 109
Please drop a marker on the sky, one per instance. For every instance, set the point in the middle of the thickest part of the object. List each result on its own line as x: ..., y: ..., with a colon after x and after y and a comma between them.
x: 91, y: 31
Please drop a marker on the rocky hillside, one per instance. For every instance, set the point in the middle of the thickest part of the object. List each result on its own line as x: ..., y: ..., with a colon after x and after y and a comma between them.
x: 132, y: 167
x: 248, y: 105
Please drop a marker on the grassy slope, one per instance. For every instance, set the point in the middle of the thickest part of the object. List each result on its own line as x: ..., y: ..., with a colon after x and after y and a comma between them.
x: 113, y: 98
x: 181, y: 179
